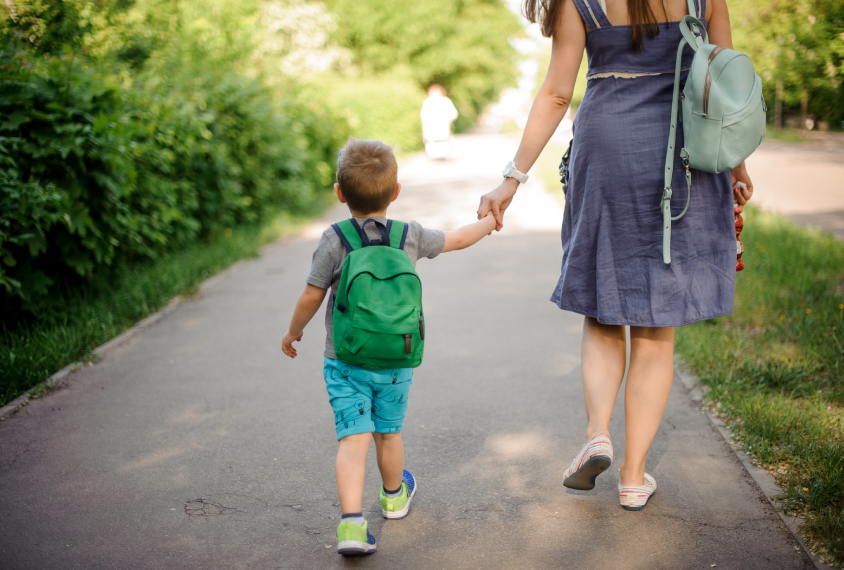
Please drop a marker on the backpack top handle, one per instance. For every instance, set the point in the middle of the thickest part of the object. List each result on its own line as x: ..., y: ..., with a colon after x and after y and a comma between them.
x: 694, y: 32
x: 382, y: 229
x: 353, y: 234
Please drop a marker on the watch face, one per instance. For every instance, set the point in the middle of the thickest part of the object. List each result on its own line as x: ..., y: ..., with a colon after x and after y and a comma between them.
x: 508, y: 170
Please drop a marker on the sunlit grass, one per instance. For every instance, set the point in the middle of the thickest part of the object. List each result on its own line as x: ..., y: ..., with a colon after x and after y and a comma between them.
x: 775, y: 368
x: 785, y: 134
x: 81, y: 320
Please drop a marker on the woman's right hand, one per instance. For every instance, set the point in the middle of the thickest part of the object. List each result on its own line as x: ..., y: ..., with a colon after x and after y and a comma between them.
x: 742, y: 195
x: 498, y: 201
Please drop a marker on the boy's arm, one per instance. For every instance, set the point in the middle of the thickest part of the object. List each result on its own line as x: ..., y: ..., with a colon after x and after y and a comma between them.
x: 306, y: 307
x: 468, y: 235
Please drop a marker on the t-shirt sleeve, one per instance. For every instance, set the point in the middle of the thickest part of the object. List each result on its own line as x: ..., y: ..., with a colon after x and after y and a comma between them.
x: 428, y: 243
x: 324, y: 262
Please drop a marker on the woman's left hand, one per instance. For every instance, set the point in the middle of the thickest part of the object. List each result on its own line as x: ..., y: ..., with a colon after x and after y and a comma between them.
x: 742, y: 195
x: 497, y: 201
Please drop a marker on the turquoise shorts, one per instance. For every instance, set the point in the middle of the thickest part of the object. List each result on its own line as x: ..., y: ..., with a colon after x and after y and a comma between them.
x: 366, y: 400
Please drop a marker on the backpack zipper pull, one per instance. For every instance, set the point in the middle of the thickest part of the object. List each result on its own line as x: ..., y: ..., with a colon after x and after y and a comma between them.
x: 407, y: 338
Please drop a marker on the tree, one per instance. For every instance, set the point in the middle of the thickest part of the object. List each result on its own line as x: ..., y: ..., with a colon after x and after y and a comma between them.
x: 798, y: 45
x: 460, y: 44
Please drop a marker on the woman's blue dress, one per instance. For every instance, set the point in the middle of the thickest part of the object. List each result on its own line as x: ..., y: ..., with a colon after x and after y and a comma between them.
x: 612, y: 266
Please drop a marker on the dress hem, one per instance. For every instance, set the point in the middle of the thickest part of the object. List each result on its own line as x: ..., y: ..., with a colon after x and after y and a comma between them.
x: 649, y: 325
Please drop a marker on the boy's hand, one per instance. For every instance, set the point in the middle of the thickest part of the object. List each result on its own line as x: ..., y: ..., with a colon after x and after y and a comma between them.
x: 306, y: 307
x: 287, y: 343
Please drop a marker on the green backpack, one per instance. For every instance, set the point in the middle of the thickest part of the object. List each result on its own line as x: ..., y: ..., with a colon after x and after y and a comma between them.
x: 378, y: 321
x: 723, y: 113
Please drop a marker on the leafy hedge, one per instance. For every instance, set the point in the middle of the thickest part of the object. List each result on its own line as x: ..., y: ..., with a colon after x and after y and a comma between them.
x: 93, y: 170
x: 384, y: 106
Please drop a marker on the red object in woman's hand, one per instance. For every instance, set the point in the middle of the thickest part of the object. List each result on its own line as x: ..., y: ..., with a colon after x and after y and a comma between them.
x: 739, y: 245
x: 739, y: 226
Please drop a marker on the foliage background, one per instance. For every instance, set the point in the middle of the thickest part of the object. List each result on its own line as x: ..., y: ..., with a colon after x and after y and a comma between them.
x: 799, y: 43
x: 131, y: 128
x: 145, y: 144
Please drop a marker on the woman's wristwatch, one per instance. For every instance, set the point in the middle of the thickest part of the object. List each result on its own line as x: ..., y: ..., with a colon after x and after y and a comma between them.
x: 511, y: 172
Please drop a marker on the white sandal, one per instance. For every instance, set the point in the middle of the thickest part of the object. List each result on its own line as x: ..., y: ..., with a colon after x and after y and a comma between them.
x: 634, y: 498
x: 593, y: 459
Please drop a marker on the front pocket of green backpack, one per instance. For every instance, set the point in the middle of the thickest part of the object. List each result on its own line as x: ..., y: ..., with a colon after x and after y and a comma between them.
x: 384, y: 331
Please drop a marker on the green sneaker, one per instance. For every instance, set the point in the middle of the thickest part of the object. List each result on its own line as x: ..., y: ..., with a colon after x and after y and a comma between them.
x: 354, y: 539
x: 397, y: 507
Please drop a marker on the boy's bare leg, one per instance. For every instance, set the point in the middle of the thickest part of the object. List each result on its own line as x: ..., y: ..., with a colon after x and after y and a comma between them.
x: 390, y: 451
x: 603, y: 353
x: 646, y: 395
x: 350, y: 470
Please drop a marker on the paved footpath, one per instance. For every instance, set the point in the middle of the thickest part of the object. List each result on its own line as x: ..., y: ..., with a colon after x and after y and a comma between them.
x: 803, y: 181
x: 197, y: 444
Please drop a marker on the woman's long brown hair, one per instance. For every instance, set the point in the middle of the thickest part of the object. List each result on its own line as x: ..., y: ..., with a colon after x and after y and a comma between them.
x: 547, y: 14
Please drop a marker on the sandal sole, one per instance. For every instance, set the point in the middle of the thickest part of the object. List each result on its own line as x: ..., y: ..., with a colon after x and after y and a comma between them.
x: 639, y: 508
x: 584, y: 478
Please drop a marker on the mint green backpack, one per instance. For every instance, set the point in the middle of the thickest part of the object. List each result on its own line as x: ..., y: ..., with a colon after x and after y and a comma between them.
x: 723, y: 113
x: 378, y: 321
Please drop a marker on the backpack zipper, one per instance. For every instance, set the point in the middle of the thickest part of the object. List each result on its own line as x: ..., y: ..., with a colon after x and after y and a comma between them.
x: 708, y: 82
x: 349, y: 286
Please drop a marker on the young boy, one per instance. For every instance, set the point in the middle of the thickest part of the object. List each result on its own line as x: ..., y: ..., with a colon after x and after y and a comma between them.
x: 365, y: 400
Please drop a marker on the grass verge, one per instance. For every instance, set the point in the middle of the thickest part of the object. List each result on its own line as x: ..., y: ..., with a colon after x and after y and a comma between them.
x: 775, y: 369
x: 81, y: 320
x: 785, y: 134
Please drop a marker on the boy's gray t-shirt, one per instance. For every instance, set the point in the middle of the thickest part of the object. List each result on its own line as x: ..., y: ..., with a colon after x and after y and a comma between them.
x: 327, y: 264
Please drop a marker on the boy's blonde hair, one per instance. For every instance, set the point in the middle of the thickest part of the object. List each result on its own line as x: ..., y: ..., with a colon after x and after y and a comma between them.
x: 367, y: 173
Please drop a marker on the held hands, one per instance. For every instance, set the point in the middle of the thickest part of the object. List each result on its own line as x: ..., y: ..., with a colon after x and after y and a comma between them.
x: 287, y: 343
x: 498, y: 201
x: 739, y: 174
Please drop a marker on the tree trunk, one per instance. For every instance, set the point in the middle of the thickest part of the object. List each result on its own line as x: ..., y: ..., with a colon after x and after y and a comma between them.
x: 804, y: 107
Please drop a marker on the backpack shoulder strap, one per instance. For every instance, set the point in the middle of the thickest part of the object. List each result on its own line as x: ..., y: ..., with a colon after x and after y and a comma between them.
x: 398, y: 233
x: 695, y: 8
x: 347, y: 231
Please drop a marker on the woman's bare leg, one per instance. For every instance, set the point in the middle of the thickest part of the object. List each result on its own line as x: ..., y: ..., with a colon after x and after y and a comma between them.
x: 603, y: 354
x: 646, y: 395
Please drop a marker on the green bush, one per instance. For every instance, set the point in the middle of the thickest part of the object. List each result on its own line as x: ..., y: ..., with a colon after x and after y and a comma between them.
x: 463, y: 45
x: 384, y: 106
x: 95, y: 171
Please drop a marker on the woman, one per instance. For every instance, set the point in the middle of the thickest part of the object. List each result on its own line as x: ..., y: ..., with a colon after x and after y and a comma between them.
x: 612, y: 269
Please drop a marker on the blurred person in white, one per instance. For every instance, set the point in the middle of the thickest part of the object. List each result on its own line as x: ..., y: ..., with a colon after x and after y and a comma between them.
x: 438, y: 112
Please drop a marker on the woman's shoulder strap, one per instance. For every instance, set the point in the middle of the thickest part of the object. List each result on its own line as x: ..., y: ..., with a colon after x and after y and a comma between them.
x: 592, y: 14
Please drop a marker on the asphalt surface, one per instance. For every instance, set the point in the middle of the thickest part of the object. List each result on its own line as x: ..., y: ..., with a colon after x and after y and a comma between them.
x: 802, y: 181
x: 198, y: 444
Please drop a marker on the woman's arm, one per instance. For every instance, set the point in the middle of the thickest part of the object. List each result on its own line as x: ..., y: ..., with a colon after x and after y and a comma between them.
x: 718, y: 26
x: 720, y: 35
x: 548, y: 108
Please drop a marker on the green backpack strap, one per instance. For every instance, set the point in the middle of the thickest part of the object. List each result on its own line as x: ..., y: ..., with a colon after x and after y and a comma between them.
x: 352, y: 234
x: 398, y: 233
x: 347, y: 231
x: 694, y: 35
